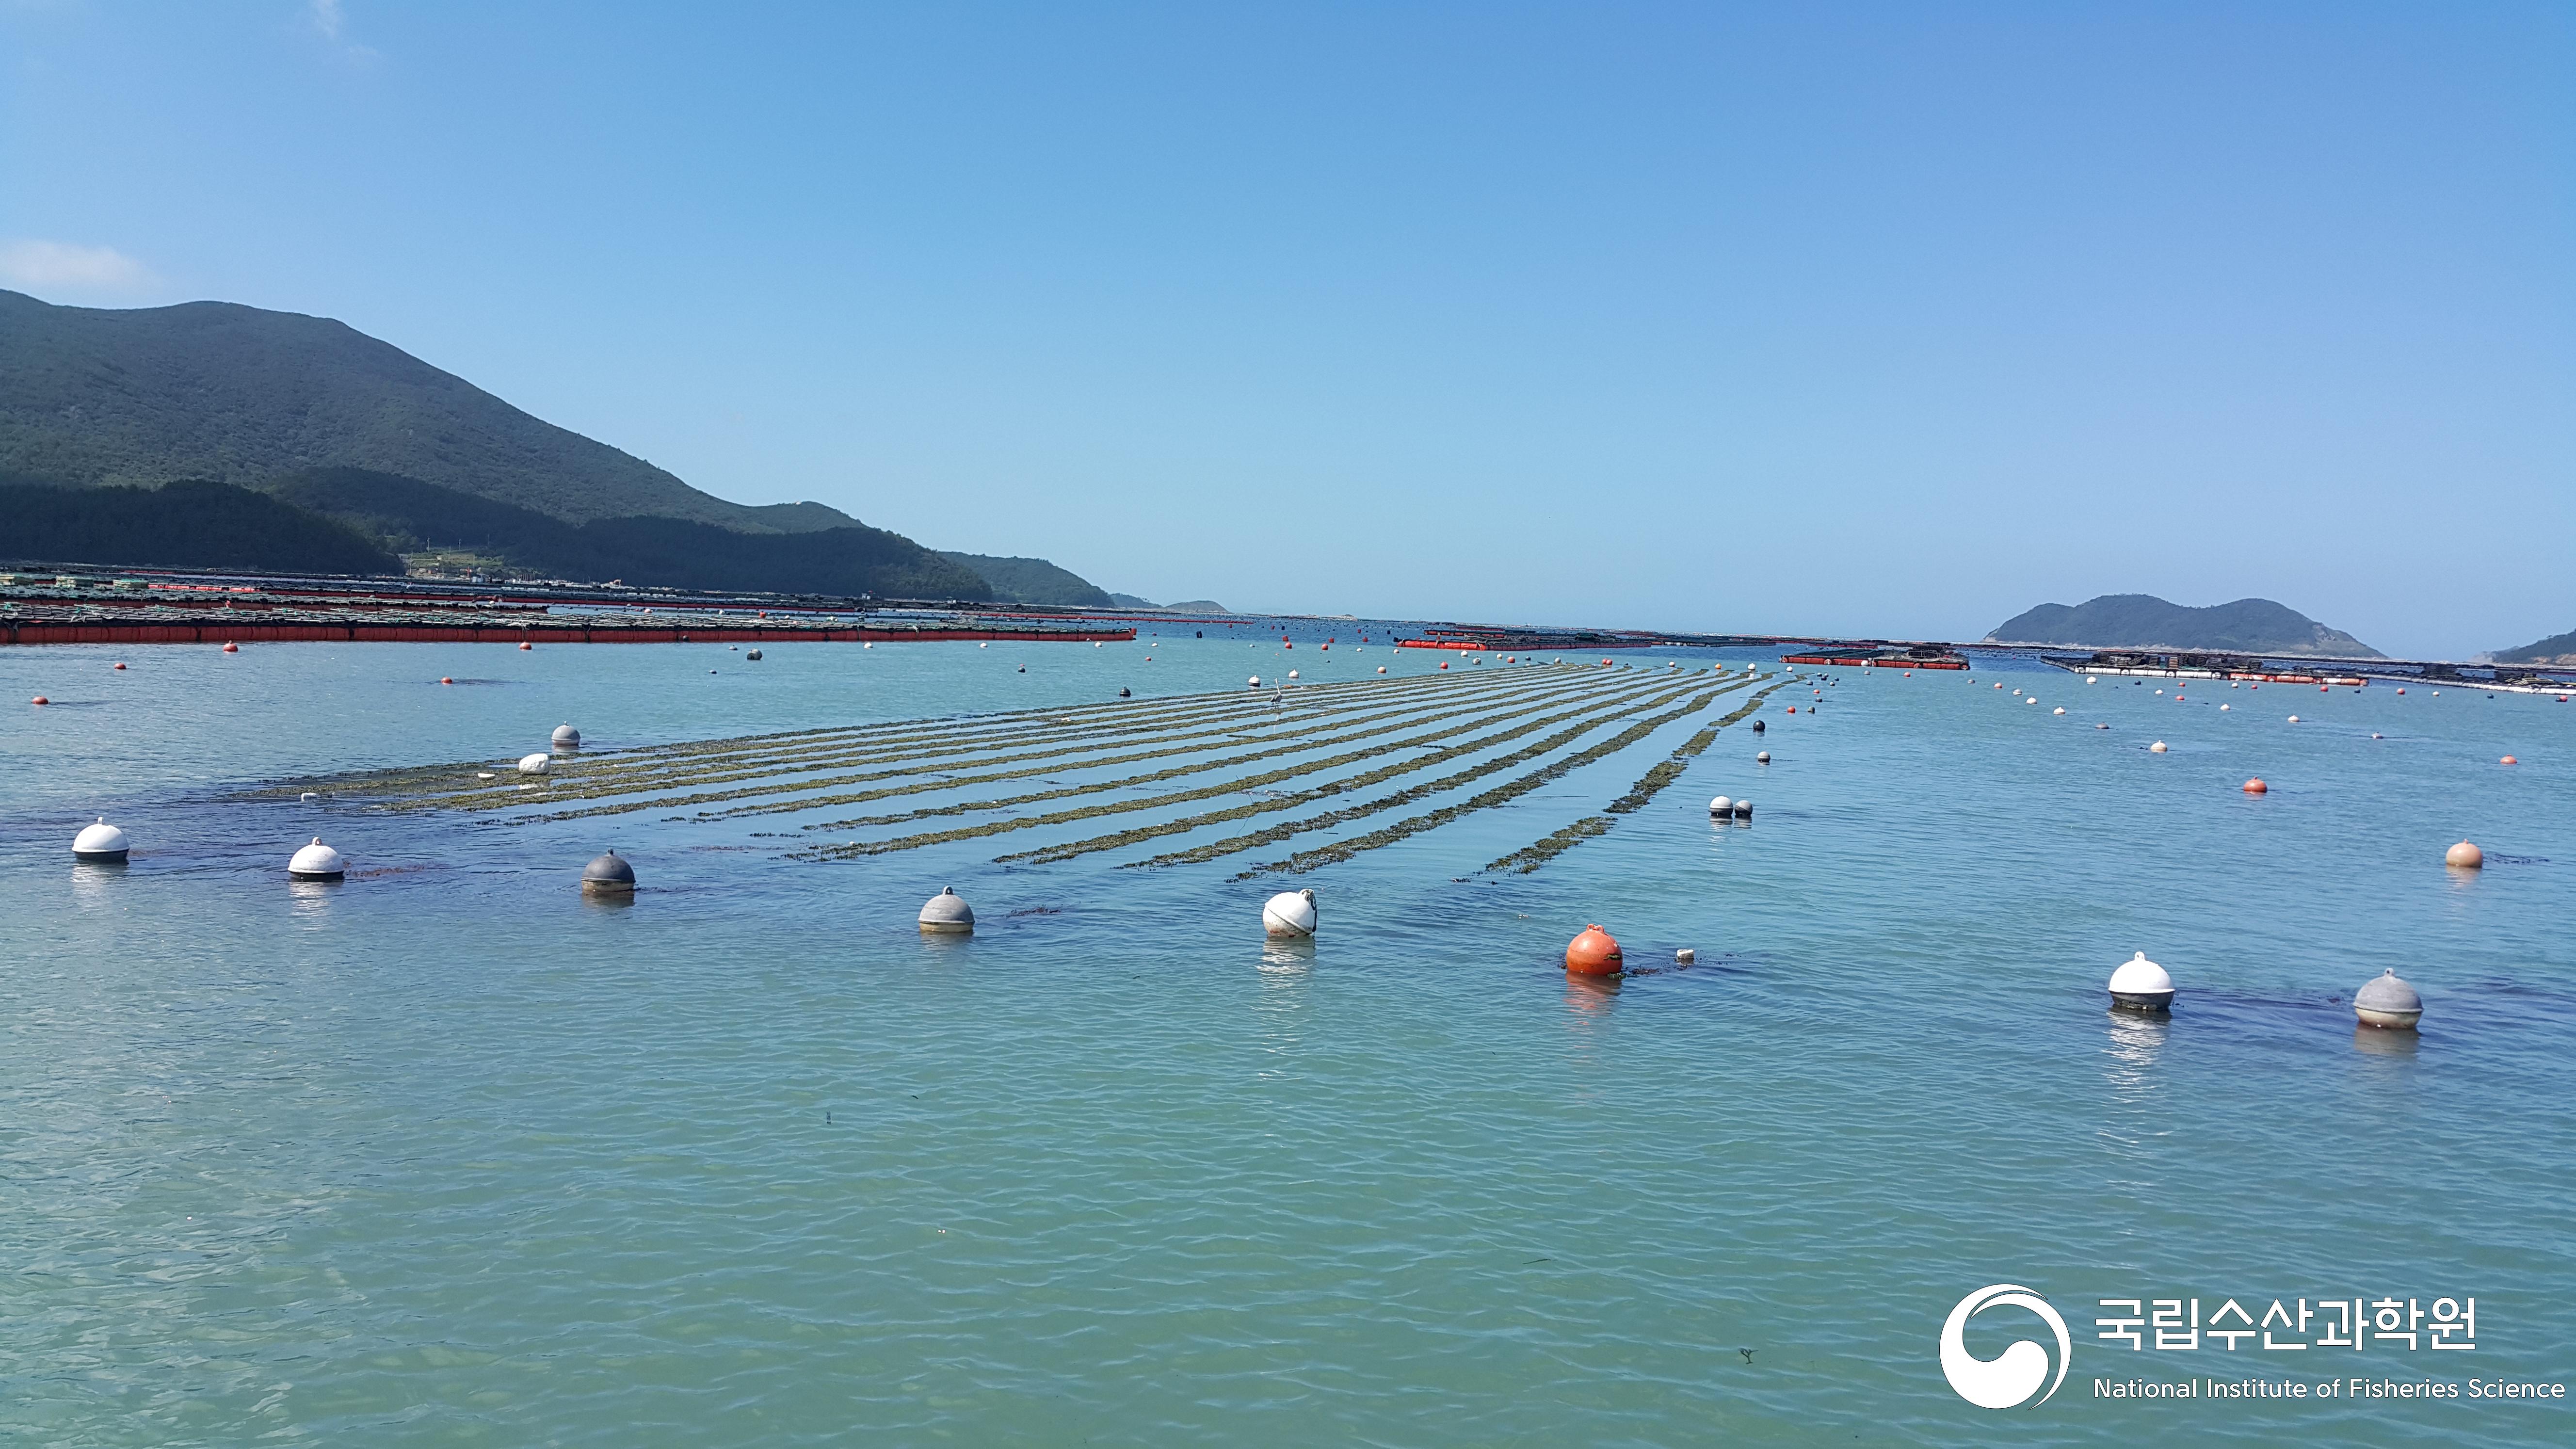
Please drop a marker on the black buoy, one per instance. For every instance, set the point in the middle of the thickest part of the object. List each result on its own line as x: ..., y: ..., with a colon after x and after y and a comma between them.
x: 1759, y: 727
x: 609, y: 875
x: 1122, y: 691
x: 755, y: 654
x: 1199, y: 634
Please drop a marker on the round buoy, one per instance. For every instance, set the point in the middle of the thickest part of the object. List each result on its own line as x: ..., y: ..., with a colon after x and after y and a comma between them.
x: 231, y: 648
x: 40, y: 699
x: 525, y: 646
x: 1122, y: 692
x: 609, y: 875
x: 2141, y: 985
x: 2507, y: 760
x: 1743, y: 809
x: 2255, y: 787
x: 1761, y: 757
x: 1256, y: 681
x: 317, y: 862
x: 947, y: 914
x: 2224, y: 708
x: 2061, y: 709
x: 1289, y: 913
x: 2465, y: 856
x: 1721, y: 806
x: 1594, y: 953
x: 2101, y: 727
x: 120, y: 664
x: 443, y: 679
x: 100, y: 844
x: 1381, y: 669
x: 533, y: 764
x: 1793, y: 709
x: 2376, y: 735
x: 1292, y: 674
x: 2157, y: 748
x: 2387, y: 1001
x: 1444, y: 663
x: 1685, y: 955
x: 566, y: 737
x: 755, y: 654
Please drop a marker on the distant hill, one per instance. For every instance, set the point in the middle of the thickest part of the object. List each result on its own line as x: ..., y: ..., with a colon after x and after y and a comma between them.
x: 1030, y: 581
x: 1133, y: 601
x: 1198, y: 606
x: 2117, y: 621
x: 189, y: 524
x: 2556, y: 649
x: 410, y: 515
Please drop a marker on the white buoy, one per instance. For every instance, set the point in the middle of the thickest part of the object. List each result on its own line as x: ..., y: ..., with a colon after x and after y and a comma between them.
x: 2224, y: 708
x: 1743, y: 809
x: 2294, y: 719
x: 567, y: 738
x: 1381, y: 669
x: 947, y: 914
x: 1762, y: 757
x: 1256, y: 681
x: 2061, y: 709
x: 2386, y: 1000
x: 1721, y: 806
x: 2157, y: 748
x: 1289, y: 913
x: 1292, y: 674
x: 2141, y: 985
x: 533, y: 764
x: 100, y: 844
x: 317, y: 862
x: 1686, y: 955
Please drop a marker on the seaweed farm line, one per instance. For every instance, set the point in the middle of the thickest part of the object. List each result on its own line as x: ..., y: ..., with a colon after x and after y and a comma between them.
x: 1300, y: 761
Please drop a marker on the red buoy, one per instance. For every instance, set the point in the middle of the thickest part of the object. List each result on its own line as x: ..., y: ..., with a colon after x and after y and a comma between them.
x: 524, y: 644
x: 232, y: 648
x: 2256, y: 787
x: 1793, y: 709
x: 443, y: 679
x: 2507, y: 759
x: 1594, y: 953
x: 1444, y: 663
x: 40, y: 699
x: 120, y: 664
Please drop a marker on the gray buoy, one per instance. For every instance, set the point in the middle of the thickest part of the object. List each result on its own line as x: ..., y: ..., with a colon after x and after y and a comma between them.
x: 567, y: 738
x: 2142, y: 985
x: 2387, y: 1001
x: 100, y: 844
x: 1743, y: 809
x: 947, y: 914
x: 609, y: 875
x: 1762, y: 757
x: 755, y: 654
x: 1289, y: 913
x: 1721, y: 806
x: 317, y: 862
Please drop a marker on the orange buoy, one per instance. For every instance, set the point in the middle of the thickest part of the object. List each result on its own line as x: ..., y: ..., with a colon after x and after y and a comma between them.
x: 1444, y: 663
x: 443, y: 679
x: 2509, y: 760
x: 2256, y: 787
x: 524, y: 644
x: 40, y: 699
x: 120, y: 664
x: 2465, y: 856
x: 230, y: 648
x: 1594, y: 953
x: 1793, y: 709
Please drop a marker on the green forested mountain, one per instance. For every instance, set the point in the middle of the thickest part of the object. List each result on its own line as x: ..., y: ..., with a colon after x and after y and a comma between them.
x: 2117, y: 621
x: 408, y: 514
x: 213, y: 390
x: 2556, y: 649
x: 188, y: 524
x: 1031, y: 581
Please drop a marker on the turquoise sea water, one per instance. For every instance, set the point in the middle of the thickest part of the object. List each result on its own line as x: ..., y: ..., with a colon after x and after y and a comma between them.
x: 446, y: 1155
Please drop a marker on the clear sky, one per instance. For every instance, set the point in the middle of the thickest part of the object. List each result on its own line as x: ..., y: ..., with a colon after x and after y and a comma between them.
x: 1853, y: 319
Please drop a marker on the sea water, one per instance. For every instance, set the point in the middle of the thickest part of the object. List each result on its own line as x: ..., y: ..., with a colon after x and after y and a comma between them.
x: 446, y: 1154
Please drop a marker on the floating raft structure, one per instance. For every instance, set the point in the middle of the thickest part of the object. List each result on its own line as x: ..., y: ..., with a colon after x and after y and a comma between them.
x: 1881, y: 655
x: 70, y: 609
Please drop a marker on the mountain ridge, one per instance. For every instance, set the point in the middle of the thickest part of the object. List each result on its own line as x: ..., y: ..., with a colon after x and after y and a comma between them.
x: 2143, y: 621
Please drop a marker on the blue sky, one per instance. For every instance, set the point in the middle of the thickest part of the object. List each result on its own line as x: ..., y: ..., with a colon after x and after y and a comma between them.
x: 1851, y: 319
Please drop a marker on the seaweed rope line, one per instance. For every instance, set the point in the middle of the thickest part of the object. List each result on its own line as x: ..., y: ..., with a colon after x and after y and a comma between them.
x: 1227, y: 787
x: 1539, y: 852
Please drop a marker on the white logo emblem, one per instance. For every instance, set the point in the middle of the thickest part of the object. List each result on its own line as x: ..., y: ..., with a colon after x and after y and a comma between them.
x: 2014, y: 1375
